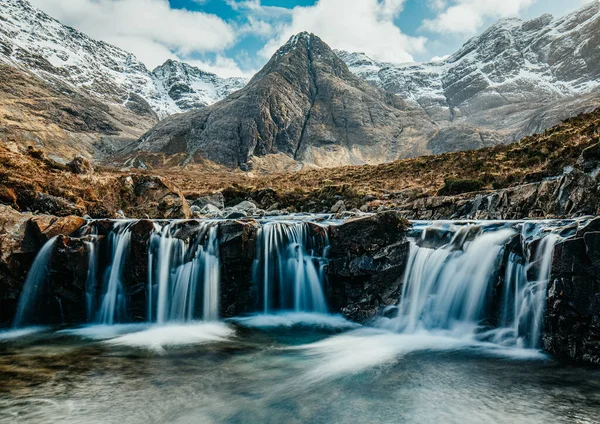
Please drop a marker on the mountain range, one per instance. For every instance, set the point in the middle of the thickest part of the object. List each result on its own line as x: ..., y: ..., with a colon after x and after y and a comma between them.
x: 309, y: 106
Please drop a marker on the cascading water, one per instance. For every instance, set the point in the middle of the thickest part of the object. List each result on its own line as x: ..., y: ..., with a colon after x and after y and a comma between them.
x: 113, y: 305
x: 452, y: 286
x: 290, y: 266
x: 523, y: 300
x: 34, y: 286
x: 177, y: 268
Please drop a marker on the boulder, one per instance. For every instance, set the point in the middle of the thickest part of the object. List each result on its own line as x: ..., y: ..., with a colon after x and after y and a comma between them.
x: 210, y: 210
x: 154, y: 197
x: 81, y: 165
x: 338, y: 207
x: 217, y: 200
x: 246, y: 206
x: 236, y: 215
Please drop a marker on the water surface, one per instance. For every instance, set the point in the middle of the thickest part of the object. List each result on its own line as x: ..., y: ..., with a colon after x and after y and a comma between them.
x: 274, y: 370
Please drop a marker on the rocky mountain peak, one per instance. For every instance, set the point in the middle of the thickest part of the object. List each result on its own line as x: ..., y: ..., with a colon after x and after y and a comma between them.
x: 304, y: 106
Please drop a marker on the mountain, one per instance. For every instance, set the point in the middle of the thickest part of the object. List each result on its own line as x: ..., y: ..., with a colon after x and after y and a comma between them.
x: 515, y: 79
x: 303, y: 106
x: 40, y: 44
x: 191, y: 88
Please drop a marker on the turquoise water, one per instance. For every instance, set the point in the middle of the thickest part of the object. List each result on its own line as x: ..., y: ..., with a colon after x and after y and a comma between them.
x: 275, y: 370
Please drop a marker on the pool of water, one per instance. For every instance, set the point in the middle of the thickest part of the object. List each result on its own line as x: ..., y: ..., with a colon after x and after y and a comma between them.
x: 282, y: 369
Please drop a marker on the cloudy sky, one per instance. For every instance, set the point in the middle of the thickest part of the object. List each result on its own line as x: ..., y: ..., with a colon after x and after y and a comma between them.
x: 236, y: 37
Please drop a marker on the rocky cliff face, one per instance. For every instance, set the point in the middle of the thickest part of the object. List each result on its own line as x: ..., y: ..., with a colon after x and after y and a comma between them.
x: 515, y: 79
x: 573, y: 315
x: 305, y: 106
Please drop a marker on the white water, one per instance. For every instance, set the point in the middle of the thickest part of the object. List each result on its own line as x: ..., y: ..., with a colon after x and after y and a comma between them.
x: 452, y: 286
x: 35, y: 285
x: 290, y: 267
x: 113, y: 302
x: 178, y: 269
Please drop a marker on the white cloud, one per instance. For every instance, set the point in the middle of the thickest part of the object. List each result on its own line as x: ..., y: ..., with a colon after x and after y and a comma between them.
x: 150, y: 29
x: 364, y: 26
x: 468, y: 16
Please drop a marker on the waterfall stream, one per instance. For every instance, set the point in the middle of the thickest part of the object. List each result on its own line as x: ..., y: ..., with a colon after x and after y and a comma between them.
x: 34, y: 286
x: 290, y: 266
x: 453, y: 272
x: 486, y: 279
x: 181, y: 271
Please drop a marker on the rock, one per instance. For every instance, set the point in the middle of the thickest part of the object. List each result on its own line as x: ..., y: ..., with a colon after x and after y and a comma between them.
x: 81, y: 165
x: 54, y: 205
x: 572, y: 322
x: 273, y: 207
x: 589, y: 160
x: 367, y: 258
x: 237, y: 250
x: 65, y: 226
x: 120, y: 215
x: 211, y: 210
x: 338, y: 207
x: 217, y: 200
x: 154, y: 197
x: 236, y: 215
x: 246, y: 206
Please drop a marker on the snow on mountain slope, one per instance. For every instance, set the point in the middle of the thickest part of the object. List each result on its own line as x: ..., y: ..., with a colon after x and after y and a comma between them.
x: 512, y: 67
x: 32, y: 39
x: 191, y: 88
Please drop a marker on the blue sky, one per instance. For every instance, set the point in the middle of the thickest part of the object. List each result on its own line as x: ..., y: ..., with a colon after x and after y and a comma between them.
x: 236, y: 37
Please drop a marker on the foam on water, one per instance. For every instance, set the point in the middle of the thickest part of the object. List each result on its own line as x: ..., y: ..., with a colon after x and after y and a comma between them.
x: 103, y: 332
x: 160, y: 337
x: 21, y: 332
x: 296, y: 319
x: 366, y: 348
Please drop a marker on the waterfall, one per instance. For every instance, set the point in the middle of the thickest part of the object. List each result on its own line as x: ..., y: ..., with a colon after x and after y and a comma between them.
x: 178, y: 267
x: 524, y: 301
x: 91, y: 280
x: 113, y: 302
x: 35, y: 284
x: 290, y: 262
x: 452, y: 286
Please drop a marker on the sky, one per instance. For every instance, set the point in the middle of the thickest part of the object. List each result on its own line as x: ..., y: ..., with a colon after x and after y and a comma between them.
x: 237, y: 37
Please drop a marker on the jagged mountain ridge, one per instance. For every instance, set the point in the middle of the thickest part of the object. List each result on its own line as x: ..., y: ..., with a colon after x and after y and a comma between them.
x: 303, y: 106
x: 33, y: 40
x: 514, y: 79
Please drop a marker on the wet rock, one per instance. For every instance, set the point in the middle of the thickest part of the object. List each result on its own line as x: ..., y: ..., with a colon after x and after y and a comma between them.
x: 236, y: 215
x: 81, y: 165
x: 237, y: 241
x: 367, y: 259
x: 66, y: 300
x: 572, y: 322
x: 66, y: 226
x: 217, y: 200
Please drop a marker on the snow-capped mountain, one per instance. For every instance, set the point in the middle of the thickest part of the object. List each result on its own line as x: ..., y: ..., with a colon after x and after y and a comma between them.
x: 191, y: 88
x: 32, y: 39
x: 513, y: 67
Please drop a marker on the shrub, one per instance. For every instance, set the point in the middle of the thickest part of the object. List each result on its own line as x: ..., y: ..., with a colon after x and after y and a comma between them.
x: 458, y: 186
